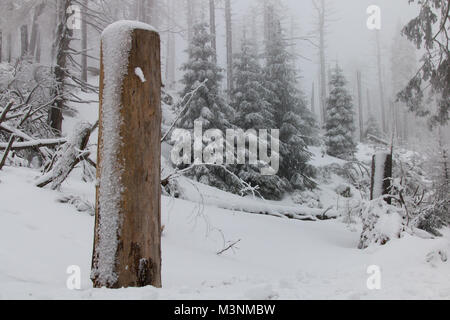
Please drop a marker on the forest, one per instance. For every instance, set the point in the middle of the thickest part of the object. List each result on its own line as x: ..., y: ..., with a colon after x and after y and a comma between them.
x: 306, y: 128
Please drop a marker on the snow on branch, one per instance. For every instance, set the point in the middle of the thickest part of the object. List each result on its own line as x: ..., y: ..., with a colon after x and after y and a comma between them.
x: 70, y: 154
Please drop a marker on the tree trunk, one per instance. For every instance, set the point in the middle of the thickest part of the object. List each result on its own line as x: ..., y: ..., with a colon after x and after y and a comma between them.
x: 1, y: 46
x: 190, y: 19
x: 229, y: 35
x: 323, y: 72
x: 171, y: 51
x: 38, y: 48
x: 35, y: 27
x: 9, y: 48
x: 380, y: 83
x: 152, y: 13
x: 313, y: 99
x: 128, y: 254
x: 212, y: 26
x: 61, y: 48
x: 23, y: 40
x: 360, y: 108
x: 381, y: 181
x: 84, y: 38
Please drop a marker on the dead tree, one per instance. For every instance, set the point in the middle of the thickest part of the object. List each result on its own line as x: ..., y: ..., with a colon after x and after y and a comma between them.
x: 127, y: 245
x: 84, y: 38
x: 380, y: 83
x: 381, y: 181
x: 61, y: 48
x: 212, y: 26
x: 71, y: 153
x: 23, y: 40
x: 360, y: 108
x: 34, y: 38
x: 229, y: 37
x: 321, y: 8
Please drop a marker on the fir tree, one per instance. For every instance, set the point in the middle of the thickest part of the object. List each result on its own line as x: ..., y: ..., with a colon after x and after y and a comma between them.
x: 253, y: 112
x: 289, y: 110
x: 340, y: 126
x: 207, y: 105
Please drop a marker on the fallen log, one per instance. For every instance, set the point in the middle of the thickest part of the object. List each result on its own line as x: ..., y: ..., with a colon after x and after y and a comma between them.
x: 48, y: 143
x: 71, y: 153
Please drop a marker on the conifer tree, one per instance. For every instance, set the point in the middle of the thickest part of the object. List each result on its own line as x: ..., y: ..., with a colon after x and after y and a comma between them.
x: 340, y: 124
x: 253, y: 113
x: 207, y: 105
x: 253, y: 110
x: 290, y: 114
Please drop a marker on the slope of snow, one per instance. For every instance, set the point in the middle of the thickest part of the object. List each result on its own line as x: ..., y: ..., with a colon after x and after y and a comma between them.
x: 276, y: 259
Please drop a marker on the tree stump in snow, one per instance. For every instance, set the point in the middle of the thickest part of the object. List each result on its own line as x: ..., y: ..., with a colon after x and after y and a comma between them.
x: 381, y: 183
x: 127, y: 244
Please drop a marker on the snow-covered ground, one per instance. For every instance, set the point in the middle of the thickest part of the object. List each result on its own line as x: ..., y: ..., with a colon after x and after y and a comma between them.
x: 277, y: 258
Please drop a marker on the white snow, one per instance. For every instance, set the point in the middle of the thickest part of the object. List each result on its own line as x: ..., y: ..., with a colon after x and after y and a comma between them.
x: 138, y: 71
x: 277, y: 258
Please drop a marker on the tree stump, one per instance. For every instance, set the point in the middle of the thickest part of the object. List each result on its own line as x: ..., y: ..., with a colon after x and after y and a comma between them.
x: 381, y: 182
x: 127, y: 245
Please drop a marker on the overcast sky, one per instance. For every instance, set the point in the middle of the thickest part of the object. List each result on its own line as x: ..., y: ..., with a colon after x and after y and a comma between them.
x: 349, y: 40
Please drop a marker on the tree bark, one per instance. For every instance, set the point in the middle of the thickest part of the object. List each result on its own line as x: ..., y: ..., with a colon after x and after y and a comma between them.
x: 321, y: 16
x: 383, y: 179
x: 9, y: 48
x: 212, y: 26
x: 229, y: 36
x: 35, y: 28
x: 61, y: 48
x: 38, y: 48
x: 23, y: 40
x: 84, y: 39
x: 137, y: 254
x: 360, y: 108
x: 380, y: 84
x: 171, y: 50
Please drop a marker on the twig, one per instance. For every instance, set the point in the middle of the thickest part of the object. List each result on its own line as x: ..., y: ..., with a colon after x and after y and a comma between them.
x: 8, y: 149
x: 190, y: 95
x: 231, y: 246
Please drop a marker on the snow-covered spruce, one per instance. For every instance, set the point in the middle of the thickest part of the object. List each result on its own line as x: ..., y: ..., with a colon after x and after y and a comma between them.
x: 116, y: 46
x: 290, y: 114
x: 340, y: 124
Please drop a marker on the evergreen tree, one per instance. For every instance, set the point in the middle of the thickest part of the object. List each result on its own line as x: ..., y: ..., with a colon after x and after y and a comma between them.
x: 253, y: 112
x: 207, y: 105
x: 289, y: 110
x: 340, y: 124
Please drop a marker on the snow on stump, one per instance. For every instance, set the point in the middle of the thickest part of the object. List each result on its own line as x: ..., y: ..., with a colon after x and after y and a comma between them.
x: 381, y: 176
x: 127, y: 244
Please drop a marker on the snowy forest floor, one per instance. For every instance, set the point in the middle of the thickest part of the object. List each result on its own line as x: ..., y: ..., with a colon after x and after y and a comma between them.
x: 277, y: 258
